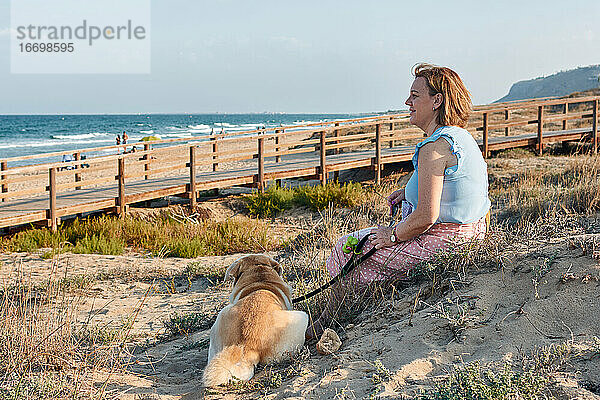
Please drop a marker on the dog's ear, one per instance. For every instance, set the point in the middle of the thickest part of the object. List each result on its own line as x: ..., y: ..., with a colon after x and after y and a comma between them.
x: 233, y: 272
x: 279, y: 269
x: 276, y: 266
x: 263, y: 259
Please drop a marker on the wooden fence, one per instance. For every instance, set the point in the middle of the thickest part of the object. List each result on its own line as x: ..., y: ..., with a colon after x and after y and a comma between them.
x: 187, y: 165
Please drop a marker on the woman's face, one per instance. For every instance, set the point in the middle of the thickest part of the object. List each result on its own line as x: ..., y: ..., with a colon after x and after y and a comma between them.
x: 421, y: 104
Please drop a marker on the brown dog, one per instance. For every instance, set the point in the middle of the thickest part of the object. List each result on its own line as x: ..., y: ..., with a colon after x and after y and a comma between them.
x: 258, y: 326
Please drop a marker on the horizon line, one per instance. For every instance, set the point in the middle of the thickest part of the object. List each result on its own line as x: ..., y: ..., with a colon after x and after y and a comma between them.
x: 201, y: 113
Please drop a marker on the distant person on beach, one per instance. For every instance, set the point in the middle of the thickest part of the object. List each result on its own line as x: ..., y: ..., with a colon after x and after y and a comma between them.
x: 444, y: 203
x: 118, y: 139
x: 83, y: 158
x: 67, y: 158
x: 125, y: 137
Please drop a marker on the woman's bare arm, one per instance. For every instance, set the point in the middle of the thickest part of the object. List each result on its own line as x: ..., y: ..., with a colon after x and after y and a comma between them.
x: 434, y: 158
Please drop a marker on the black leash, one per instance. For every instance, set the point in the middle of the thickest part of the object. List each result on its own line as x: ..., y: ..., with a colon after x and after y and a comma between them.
x: 352, y: 263
x: 346, y: 269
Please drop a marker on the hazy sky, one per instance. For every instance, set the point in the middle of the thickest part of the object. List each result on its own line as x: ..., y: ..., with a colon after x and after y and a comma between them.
x: 317, y: 56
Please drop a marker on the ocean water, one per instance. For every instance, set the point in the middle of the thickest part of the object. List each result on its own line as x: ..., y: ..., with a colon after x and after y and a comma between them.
x: 22, y: 135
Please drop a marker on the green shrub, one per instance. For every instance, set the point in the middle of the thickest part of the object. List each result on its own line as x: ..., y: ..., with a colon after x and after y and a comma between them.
x: 516, y: 152
x: 474, y: 382
x: 276, y: 199
x: 184, y: 324
x: 270, y: 203
x: 161, y: 236
x: 97, y: 244
x: 198, y: 269
x: 34, y: 239
x: 237, y: 235
x: 76, y: 282
x: 318, y: 197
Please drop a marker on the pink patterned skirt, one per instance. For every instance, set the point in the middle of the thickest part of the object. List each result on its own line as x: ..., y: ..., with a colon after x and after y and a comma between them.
x: 395, y: 262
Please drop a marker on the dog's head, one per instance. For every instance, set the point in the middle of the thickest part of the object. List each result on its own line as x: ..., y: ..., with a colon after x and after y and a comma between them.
x: 255, y: 268
x: 251, y: 262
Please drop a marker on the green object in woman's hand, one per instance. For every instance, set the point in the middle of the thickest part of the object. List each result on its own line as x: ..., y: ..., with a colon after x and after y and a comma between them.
x: 350, y: 245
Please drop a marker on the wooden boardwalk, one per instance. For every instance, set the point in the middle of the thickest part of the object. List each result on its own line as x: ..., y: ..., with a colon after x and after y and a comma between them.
x: 33, y: 209
x: 316, y: 152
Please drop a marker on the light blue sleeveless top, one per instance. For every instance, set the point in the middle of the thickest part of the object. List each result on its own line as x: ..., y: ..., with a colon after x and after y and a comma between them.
x: 465, y: 191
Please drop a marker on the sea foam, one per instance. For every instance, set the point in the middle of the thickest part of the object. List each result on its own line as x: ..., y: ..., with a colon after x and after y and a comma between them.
x: 81, y: 136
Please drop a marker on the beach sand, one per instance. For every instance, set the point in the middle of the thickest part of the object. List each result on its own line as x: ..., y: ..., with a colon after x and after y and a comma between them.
x: 501, y: 312
x: 414, y: 348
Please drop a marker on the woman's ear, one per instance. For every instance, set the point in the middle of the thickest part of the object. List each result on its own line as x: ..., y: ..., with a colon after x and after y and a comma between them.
x: 438, y: 99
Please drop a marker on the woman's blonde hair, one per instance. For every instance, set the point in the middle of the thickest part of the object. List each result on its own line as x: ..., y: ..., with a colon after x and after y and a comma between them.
x: 456, y: 99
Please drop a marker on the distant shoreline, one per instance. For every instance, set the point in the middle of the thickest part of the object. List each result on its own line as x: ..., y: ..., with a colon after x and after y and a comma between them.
x: 30, y: 134
x: 198, y: 113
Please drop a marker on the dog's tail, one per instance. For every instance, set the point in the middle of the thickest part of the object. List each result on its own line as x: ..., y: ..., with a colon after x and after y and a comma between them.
x: 233, y: 362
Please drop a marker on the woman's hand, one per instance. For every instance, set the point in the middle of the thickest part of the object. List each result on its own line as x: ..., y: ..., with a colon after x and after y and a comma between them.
x: 381, y: 237
x: 395, y: 198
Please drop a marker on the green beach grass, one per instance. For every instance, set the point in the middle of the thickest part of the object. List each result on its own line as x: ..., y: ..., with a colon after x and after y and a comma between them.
x: 160, y: 236
x: 277, y: 199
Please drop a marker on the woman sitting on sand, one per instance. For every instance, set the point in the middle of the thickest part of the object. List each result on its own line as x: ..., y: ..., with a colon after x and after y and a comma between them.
x: 444, y: 202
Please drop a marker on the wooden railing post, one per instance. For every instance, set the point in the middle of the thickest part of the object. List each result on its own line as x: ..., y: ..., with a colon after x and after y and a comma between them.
x: 78, y: 166
x: 52, y: 221
x: 506, y: 118
x: 4, y: 167
x: 192, y: 188
x: 485, y: 136
x: 336, y: 133
x: 595, y: 127
x: 147, y: 158
x: 391, y: 133
x: 261, y: 164
x: 215, y: 150
x: 277, y: 156
x: 277, y: 149
x: 378, y: 154
x: 121, y: 178
x: 540, y: 127
x: 565, y: 111
x: 322, y: 151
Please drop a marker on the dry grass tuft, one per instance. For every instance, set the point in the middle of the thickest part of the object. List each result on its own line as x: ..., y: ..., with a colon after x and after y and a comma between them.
x: 530, y: 377
x: 445, y: 273
x: 534, y: 194
x: 306, y: 255
x: 44, y: 352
